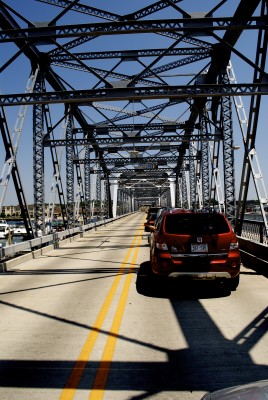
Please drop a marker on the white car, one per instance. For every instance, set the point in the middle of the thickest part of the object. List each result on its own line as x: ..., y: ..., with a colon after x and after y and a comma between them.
x: 251, y: 391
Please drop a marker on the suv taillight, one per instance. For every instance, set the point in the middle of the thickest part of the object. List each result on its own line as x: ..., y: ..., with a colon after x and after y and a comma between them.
x: 234, y: 245
x: 161, y: 246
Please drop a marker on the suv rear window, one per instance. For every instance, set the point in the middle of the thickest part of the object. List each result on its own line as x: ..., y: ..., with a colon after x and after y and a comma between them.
x: 196, y: 224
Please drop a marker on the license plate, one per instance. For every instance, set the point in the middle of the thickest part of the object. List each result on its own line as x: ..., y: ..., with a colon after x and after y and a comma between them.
x: 199, y: 248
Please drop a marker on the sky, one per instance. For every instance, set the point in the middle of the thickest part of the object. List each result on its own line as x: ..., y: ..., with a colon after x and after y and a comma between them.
x: 14, y: 79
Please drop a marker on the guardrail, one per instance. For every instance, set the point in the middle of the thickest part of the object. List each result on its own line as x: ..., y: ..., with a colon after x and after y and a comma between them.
x: 253, y: 244
x: 254, y: 231
x: 51, y: 239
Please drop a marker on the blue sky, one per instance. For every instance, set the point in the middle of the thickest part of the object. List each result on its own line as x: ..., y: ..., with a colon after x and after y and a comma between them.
x: 14, y: 78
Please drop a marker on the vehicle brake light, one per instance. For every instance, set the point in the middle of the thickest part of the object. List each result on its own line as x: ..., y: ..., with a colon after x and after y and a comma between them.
x: 234, y: 245
x: 161, y: 246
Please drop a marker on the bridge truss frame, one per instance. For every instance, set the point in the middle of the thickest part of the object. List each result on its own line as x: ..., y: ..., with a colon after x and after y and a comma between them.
x: 190, y: 147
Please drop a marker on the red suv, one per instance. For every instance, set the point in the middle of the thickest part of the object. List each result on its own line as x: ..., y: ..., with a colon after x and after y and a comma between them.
x: 197, y: 245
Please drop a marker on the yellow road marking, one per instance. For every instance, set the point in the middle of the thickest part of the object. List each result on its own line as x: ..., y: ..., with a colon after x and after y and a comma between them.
x: 77, y: 372
x: 106, y: 360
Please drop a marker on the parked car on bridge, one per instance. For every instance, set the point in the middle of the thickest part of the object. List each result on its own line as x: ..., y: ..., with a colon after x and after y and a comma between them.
x: 252, y: 391
x: 195, y: 245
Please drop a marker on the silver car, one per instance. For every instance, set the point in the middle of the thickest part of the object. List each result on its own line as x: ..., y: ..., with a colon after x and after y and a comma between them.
x: 251, y: 391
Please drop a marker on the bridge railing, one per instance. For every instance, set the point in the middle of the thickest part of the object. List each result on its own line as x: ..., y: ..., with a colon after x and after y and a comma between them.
x: 252, y: 230
x: 255, y: 231
x: 253, y: 244
x: 54, y: 239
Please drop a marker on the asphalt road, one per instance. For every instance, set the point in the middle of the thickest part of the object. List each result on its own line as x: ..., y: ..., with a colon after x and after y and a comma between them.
x: 74, y: 326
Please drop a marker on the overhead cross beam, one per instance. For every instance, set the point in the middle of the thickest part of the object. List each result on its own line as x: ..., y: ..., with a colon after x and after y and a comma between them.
x: 153, y: 89
x: 85, y: 97
x: 126, y: 27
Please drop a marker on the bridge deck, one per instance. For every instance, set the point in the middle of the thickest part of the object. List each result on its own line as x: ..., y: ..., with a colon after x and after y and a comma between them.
x: 74, y: 327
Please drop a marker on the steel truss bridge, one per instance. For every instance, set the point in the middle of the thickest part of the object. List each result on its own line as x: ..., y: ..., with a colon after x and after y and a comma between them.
x: 131, y: 107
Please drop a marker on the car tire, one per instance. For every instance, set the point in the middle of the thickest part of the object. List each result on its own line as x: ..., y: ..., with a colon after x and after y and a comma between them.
x: 233, y: 283
x: 143, y: 282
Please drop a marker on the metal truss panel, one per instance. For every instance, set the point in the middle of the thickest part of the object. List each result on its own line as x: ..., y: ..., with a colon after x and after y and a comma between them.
x: 38, y: 159
x: 127, y: 54
x: 228, y: 158
x: 14, y: 171
x: 85, y: 9
x: 122, y: 27
x: 87, y: 184
x: 70, y: 172
x: 205, y: 166
x: 112, y: 88
x: 139, y: 93
x: 122, y: 142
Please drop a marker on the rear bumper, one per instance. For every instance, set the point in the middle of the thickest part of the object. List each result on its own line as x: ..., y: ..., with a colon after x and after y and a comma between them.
x: 197, y: 268
x: 201, y: 275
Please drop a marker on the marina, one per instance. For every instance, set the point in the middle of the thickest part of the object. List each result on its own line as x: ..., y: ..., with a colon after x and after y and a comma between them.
x: 12, y: 232
x: 5, y: 230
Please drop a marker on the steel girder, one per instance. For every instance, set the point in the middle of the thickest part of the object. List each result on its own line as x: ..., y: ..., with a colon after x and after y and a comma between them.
x: 57, y: 191
x: 123, y: 142
x: 205, y: 165
x: 85, y: 9
x: 137, y: 128
x: 87, y: 184
x: 250, y: 137
x: 128, y: 79
x: 126, y: 27
x: 228, y: 158
x: 130, y: 54
x: 98, y: 189
x: 192, y: 177
x: 70, y: 172
x: 14, y: 170
x: 147, y: 162
x: 192, y: 95
x: 184, y: 189
x: 83, y: 97
x: 36, y: 58
x: 38, y: 159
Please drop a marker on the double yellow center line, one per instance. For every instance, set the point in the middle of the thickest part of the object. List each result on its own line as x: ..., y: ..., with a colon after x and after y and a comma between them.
x: 101, y: 377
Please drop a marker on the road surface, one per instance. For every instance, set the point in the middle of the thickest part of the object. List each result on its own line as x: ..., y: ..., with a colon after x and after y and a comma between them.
x: 74, y: 326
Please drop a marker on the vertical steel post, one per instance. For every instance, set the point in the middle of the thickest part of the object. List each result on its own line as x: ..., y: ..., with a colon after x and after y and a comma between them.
x: 70, y: 172
x: 87, y: 184
x: 228, y: 156
x: 184, y: 188
x: 98, y: 189
x: 192, y: 176
x: 38, y: 159
x: 205, y: 165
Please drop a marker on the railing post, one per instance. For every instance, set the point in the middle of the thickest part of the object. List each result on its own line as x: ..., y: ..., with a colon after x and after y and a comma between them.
x: 261, y: 232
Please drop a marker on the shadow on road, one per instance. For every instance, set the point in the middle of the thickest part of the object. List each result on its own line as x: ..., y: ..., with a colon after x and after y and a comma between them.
x: 211, y: 361
x: 148, y: 285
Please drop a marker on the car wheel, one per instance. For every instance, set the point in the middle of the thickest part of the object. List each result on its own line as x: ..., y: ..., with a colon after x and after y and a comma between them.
x: 143, y: 282
x: 233, y: 283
